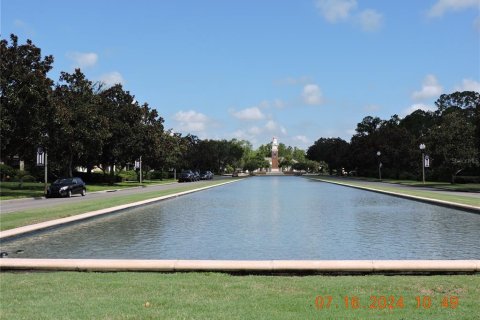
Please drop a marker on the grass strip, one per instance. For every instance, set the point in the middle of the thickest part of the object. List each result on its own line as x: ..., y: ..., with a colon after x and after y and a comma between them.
x: 27, y: 217
x: 70, y: 295
x: 472, y: 201
x: 465, y: 187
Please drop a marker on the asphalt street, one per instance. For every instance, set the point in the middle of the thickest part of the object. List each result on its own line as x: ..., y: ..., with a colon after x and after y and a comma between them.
x: 8, y: 206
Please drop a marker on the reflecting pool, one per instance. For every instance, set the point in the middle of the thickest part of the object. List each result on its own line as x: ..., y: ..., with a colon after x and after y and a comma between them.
x: 263, y: 218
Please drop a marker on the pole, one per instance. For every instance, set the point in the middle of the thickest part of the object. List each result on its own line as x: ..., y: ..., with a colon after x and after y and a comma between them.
x: 140, y: 169
x: 46, y: 174
x: 380, y: 171
x: 174, y: 173
x: 423, y: 167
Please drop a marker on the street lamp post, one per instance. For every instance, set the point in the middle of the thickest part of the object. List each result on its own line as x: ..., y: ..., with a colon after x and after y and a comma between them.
x: 422, y: 147
x: 379, y: 166
x: 172, y: 134
x: 42, y: 160
x: 140, y: 169
x: 138, y: 165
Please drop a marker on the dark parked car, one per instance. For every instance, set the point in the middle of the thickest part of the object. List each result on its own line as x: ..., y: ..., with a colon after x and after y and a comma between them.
x: 186, y: 176
x: 206, y: 175
x: 197, y: 175
x: 65, y: 187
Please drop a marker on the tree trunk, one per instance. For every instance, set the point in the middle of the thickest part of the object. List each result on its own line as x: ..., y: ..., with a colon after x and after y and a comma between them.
x: 70, y: 164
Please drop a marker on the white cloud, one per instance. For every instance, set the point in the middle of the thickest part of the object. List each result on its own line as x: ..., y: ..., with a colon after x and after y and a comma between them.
x: 112, y: 78
x: 443, y: 6
x: 415, y: 107
x: 255, y: 130
x: 83, y: 59
x: 335, y: 10
x: 430, y: 89
x: 276, y: 103
x: 370, y: 20
x: 312, y: 95
x: 468, y: 85
x: 346, y: 10
x: 24, y: 27
x: 301, y: 139
x: 253, y: 113
x: 372, y: 108
x: 272, y: 126
x: 191, y: 121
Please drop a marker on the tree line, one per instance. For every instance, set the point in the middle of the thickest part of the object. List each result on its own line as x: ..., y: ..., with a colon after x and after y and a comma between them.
x: 451, y: 135
x: 84, y: 124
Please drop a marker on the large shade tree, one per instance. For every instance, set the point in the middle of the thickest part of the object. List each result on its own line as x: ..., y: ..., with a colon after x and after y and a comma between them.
x: 80, y: 129
x: 25, y: 113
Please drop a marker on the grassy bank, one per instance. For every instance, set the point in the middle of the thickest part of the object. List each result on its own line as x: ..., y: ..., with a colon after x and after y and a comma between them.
x: 23, y: 218
x: 13, y: 190
x: 65, y: 295
x: 464, y: 187
x: 472, y: 201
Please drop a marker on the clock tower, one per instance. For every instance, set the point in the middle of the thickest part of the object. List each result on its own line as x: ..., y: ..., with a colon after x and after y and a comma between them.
x: 274, y: 155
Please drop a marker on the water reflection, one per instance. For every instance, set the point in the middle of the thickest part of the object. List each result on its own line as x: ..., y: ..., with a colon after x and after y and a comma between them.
x: 268, y: 218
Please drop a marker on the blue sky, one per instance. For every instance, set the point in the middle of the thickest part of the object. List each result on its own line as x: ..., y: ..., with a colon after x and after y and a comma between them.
x: 298, y: 70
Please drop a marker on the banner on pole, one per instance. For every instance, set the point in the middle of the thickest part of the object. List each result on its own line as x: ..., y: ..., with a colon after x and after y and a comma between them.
x: 40, y: 157
x: 427, y: 161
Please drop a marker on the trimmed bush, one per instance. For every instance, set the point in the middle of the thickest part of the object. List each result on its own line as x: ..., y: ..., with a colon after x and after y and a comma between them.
x: 130, y: 175
x: 6, y: 172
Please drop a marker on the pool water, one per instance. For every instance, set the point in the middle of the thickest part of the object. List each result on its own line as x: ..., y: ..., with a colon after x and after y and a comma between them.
x: 264, y: 218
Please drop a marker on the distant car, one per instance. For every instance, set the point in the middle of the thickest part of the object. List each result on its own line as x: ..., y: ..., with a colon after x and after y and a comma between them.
x: 206, y: 175
x: 65, y: 187
x: 196, y: 175
x: 186, y: 176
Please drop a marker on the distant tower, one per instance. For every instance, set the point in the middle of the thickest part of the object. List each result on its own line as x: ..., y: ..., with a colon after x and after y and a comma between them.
x: 274, y: 155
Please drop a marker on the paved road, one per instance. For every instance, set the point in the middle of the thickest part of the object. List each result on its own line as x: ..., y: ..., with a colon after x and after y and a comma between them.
x: 475, y: 195
x: 7, y: 206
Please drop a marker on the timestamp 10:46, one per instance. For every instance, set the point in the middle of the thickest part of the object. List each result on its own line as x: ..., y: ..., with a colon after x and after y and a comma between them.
x: 386, y: 302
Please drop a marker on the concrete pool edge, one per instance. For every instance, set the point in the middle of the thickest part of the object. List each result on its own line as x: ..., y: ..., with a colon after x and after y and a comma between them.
x: 246, y: 266
x: 444, y: 203
x: 88, y: 215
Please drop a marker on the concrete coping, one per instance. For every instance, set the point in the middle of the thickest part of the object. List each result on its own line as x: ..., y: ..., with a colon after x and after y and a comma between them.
x: 88, y: 215
x: 246, y: 266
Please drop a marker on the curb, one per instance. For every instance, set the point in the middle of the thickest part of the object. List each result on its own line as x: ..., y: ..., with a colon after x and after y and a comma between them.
x: 88, y: 215
x: 444, y: 203
x: 247, y: 266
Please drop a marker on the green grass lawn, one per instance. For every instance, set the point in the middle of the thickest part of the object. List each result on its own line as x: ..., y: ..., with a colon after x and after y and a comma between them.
x: 69, y: 295
x: 12, y: 190
x: 419, y: 193
x: 27, y: 217
x: 467, y: 187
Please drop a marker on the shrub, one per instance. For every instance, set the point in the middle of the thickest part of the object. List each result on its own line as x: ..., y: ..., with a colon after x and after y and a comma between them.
x: 6, y: 172
x: 29, y: 178
x: 96, y: 177
x: 130, y: 175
